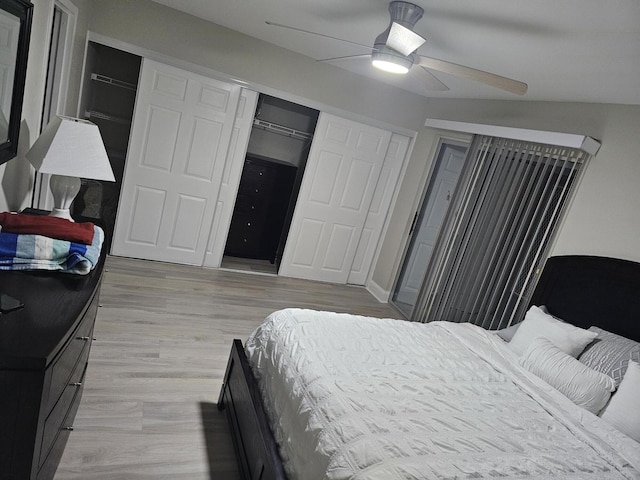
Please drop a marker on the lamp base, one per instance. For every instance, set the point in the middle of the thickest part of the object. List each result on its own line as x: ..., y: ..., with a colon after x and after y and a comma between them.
x: 64, y: 190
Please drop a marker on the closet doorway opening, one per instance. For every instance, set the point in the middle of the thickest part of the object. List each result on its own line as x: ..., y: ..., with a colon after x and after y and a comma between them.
x: 109, y: 91
x: 276, y: 157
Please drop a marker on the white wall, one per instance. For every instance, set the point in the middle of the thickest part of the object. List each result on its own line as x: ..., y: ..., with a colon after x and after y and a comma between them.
x: 604, y: 217
x: 17, y: 175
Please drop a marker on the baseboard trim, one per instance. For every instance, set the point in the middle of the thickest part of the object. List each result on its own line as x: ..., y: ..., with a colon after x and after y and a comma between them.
x: 378, y: 292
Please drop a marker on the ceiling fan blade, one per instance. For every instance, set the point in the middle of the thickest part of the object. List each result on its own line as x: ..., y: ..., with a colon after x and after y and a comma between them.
x: 316, y: 33
x: 346, y: 57
x: 431, y: 82
x: 508, y: 84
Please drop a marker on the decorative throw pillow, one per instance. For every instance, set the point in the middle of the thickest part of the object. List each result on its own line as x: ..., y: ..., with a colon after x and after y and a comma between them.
x: 623, y: 412
x: 568, y: 338
x: 610, y: 354
x: 581, y: 384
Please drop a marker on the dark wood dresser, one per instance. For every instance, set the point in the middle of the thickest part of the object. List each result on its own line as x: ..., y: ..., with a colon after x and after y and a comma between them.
x: 261, y: 206
x: 44, y: 349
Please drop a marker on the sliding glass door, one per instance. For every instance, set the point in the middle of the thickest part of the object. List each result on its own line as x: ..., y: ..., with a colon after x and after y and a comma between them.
x: 474, y: 257
x: 427, y: 223
x: 511, y: 198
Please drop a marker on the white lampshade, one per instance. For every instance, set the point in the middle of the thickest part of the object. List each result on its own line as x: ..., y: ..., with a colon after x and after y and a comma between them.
x: 71, y: 147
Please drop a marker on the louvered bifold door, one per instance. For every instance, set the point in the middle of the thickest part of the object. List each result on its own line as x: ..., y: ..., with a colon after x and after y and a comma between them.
x: 509, y: 201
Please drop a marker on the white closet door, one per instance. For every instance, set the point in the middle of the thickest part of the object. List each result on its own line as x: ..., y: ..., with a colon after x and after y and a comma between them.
x: 379, y: 209
x: 340, y: 178
x: 179, y: 141
x: 231, y: 178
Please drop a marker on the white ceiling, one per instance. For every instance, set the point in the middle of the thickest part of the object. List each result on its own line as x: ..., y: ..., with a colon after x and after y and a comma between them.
x: 565, y: 50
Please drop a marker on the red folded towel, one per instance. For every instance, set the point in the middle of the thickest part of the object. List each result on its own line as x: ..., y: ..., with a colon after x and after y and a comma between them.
x: 54, y: 227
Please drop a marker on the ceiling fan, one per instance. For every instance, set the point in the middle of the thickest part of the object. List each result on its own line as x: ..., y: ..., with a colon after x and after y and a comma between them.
x: 394, y: 51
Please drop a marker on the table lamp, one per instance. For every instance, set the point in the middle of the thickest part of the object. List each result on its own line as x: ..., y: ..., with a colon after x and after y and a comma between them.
x: 69, y: 149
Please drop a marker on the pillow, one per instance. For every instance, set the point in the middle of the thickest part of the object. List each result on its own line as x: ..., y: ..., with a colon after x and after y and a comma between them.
x: 507, y: 333
x: 610, y: 354
x: 568, y: 338
x: 582, y: 385
x: 623, y: 412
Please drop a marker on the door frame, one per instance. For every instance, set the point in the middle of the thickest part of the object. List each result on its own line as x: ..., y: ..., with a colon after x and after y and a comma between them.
x: 41, y: 195
x: 419, y: 201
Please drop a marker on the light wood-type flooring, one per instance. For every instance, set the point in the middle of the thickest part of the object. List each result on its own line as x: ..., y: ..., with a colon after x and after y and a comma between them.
x: 163, y: 335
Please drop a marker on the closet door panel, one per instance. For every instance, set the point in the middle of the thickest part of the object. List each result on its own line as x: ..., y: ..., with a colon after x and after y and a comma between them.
x: 377, y: 216
x: 342, y: 172
x: 231, y: 177
x: 180, y: 137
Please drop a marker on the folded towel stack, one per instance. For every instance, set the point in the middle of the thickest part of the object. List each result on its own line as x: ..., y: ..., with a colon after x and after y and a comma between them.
x: 32, y: 242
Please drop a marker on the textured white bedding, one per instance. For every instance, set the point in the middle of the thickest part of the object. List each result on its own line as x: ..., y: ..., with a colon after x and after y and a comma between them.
x: 352, y: 397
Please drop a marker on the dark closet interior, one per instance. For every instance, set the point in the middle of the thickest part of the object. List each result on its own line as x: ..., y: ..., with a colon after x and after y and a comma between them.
x: 276, y: 157
x: 108, y: 100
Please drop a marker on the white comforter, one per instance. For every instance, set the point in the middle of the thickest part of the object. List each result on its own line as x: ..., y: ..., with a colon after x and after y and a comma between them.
x: 363, y: 398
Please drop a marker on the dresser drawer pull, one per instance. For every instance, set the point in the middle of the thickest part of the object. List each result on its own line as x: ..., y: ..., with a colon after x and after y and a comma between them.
x: 68, y: 428
x: 83, y: 338
x: 76, y: 384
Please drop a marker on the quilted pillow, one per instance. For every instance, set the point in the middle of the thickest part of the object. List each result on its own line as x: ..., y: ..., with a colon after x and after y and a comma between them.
x: 568, y: 338
x: 610, y: 354
x: 582, y: 385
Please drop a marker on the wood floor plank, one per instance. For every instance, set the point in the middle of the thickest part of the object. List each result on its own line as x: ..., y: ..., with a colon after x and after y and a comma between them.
x: 163, y: 337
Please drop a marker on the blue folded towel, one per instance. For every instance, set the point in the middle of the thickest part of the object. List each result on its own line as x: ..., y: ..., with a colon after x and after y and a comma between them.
x: 37, y: 252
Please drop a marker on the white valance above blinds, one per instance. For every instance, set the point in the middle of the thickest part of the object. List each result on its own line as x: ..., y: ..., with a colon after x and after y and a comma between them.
x: 581, y: 142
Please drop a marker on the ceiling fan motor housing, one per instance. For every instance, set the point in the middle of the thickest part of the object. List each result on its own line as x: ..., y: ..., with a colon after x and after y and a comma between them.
x: 405, y: 14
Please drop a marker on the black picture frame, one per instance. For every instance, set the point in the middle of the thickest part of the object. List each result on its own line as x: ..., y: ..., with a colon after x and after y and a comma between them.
x: 23, y: 10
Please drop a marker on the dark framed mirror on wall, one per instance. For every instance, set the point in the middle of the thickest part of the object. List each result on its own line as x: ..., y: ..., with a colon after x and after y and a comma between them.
x: 15, y: 31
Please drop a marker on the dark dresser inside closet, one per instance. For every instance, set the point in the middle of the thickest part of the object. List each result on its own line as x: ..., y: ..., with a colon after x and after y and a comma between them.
x: 261, y: 205
x: 276, y: 156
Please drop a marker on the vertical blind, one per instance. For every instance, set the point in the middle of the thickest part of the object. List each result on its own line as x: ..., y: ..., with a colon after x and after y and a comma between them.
x: 510, y: 199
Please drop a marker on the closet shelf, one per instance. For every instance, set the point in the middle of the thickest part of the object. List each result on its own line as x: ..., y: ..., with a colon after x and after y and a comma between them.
x: 282, y: 130
x: 113, y: 81
x: 89, y: 114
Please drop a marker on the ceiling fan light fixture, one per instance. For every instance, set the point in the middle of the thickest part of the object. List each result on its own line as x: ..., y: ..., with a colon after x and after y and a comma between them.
x: 391, y: 63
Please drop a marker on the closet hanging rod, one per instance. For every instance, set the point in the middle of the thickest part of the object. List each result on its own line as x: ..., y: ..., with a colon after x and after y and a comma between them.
x: 112, y: 81
x: 282, y: 130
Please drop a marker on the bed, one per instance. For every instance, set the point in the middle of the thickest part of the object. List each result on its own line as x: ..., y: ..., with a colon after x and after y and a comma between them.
x: 367, y: 403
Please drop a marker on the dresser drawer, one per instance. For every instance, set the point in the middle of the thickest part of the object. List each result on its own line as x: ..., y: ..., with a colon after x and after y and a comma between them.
x: 258, y: 173
x: 240, y: 243
x: 50, y: 459
x: 56, y: 418
x: 66, y: 362
x: 250, y: 205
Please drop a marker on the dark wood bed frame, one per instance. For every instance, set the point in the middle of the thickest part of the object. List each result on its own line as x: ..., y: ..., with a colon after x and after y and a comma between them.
x: 582, y: 290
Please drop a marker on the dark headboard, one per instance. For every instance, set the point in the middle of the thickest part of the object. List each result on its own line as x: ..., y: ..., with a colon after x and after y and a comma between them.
x: 589, y: 290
